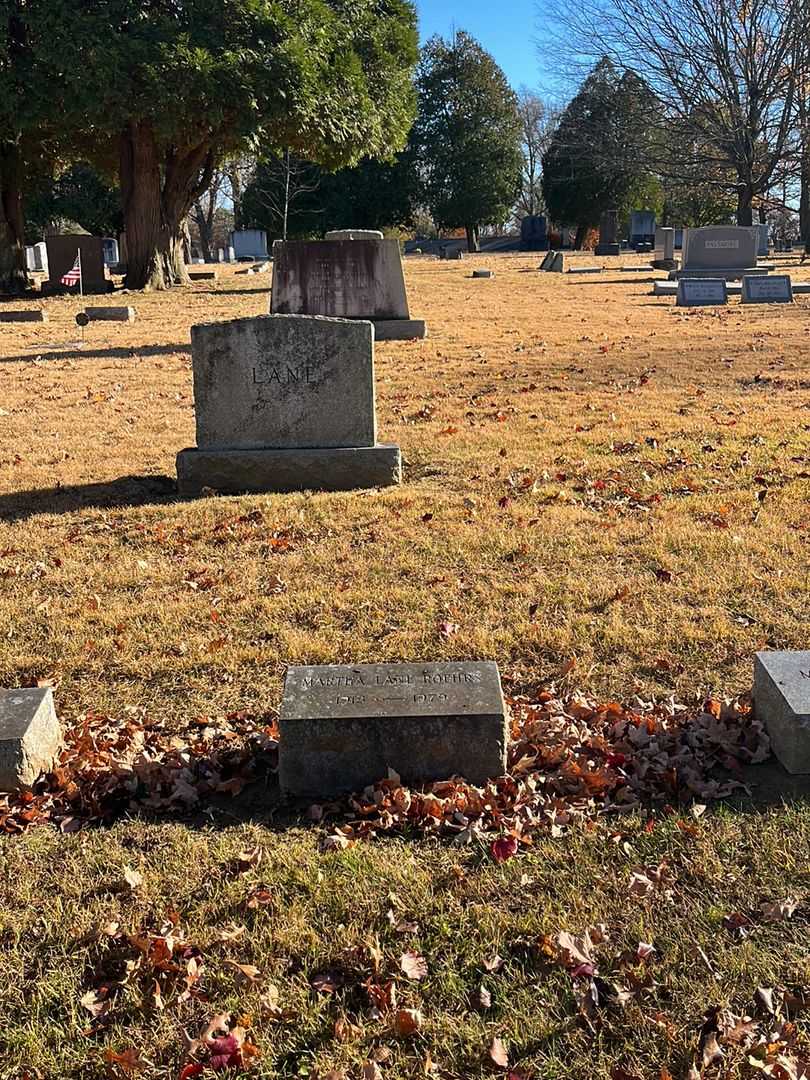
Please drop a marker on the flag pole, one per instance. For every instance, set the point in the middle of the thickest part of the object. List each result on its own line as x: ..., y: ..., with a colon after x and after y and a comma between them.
x: 81, y: 283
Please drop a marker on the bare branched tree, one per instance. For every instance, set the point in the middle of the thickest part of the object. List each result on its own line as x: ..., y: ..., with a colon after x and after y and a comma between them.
x: 203, y: 214
x: 537, y: 121
x: 724, y: 73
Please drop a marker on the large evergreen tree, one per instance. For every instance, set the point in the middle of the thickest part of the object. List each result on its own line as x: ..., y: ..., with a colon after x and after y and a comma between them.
x: 595, y: 159
x: 467, y: 136
x: 173, y: 86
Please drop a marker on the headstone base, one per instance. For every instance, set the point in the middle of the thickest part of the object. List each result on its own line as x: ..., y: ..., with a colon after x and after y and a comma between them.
x: 607, y: 249
x: 233, y: 472
x: 343, y: 728
x: 664, y: 264
x: 720, y: 272
x: 399, y: 329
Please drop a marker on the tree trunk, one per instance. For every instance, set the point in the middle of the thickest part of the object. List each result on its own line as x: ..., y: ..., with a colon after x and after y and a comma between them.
x: 579, y: 239
x: 745, y: 204
x: 472, y: 238
x: 157, y: 197
x: 204, y: 228
x: 804, y: 202
x: 13, y: 270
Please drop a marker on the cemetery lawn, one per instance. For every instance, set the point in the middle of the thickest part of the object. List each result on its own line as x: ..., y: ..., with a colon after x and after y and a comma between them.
x: 602, y: 492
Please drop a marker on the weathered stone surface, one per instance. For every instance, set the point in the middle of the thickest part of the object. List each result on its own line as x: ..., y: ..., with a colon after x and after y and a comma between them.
x: 782, y: 702
x: 354, y: 234
x: 399, y: 329
x: 720, y: 251
x: 23, y: 316
x: 608, y: 233
x: 699, y: 292
x: 642, y: 229
x: 776, y: 289
x: 283, y: 382
x: 110, y: 314
x: 232, y: 472
x: 342, y: 728
x: 62, y: 255
x: 249, y: 243
x: 30, y: 737
x: 339, y: 278
x: 534, y: 233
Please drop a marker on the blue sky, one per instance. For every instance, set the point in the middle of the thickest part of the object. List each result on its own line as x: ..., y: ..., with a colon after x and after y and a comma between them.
x: 505, y: 29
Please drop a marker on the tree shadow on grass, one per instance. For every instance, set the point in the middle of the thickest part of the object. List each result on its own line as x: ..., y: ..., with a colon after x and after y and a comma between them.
x: 65, y: 352
x: 113, y: 494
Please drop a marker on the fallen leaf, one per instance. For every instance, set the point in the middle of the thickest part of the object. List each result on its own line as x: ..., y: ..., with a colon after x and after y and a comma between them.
x: 133, y: 878
x: 503, y: 848
x: 498, y: 1053
x: 407, y: 1021
x: 413, y: 965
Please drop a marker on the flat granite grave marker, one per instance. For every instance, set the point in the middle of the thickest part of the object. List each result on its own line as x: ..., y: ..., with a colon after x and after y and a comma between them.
x: 782, y: 703
x: 23, y: 315
x: 354, y: 276
x: 30, y: 736
x: 110, y: 314
x: 700, y: 292
x: 285, y: 403
x: 776, y: 289
x: 343, y: 727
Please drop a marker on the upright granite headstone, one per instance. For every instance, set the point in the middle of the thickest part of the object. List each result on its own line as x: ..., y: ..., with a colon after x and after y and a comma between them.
x: 608, y: 234
x: 666, y: 238
x: 345, y: 278
x: 642, y: 229
x: 764, y: 240
x: 776, y: 289
x: 534, y: 233
x: 41, y: 258
x: 285, y: 403
x: 249, y: 244
x: 701, y: 292
x: 30, y: 736
x: 782, y: 702
x: 727, y: 251
x: 343, y: 727
x: 109, y: 246
x: 62, y: 256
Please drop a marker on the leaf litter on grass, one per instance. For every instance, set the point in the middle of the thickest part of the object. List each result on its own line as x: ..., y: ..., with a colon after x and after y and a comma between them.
x: 571, y: 757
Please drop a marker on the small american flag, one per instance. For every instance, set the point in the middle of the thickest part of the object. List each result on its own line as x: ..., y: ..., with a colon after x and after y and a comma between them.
x: 74, y: 276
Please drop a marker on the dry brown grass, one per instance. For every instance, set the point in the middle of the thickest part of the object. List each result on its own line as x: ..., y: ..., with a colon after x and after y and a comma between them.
x: 570, y: 443
x: 590, y: 473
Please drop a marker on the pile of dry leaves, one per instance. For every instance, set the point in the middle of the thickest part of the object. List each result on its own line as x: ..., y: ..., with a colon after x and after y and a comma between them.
x: 574, y: 758
x: 571, y: 757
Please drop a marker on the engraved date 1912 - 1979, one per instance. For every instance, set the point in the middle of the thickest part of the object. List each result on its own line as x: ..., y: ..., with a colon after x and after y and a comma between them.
x: 366, y: 699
